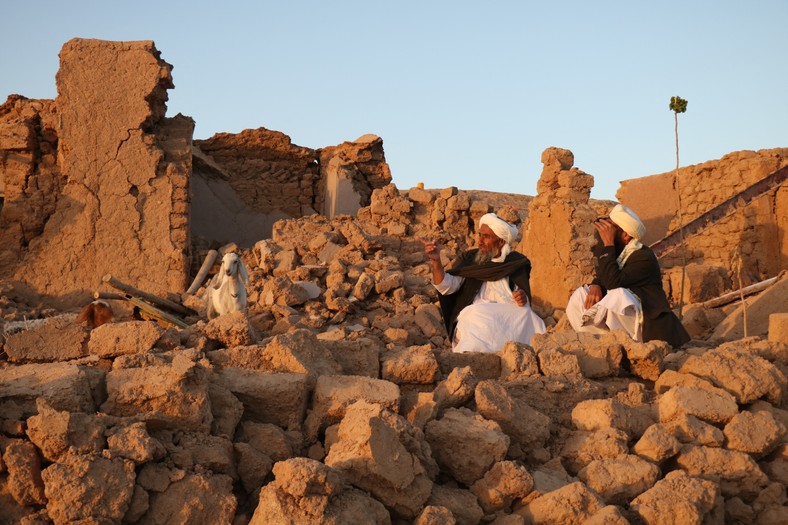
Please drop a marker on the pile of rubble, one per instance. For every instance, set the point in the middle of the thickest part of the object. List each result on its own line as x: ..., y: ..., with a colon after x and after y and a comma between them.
x: 337, y: 399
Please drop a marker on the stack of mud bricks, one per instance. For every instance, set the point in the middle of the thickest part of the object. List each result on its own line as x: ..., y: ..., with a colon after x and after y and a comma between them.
x: 778, y: 327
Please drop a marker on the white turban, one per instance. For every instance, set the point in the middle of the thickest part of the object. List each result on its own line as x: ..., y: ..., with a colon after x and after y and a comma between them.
x: 501, y: 228
x: 628, y: 221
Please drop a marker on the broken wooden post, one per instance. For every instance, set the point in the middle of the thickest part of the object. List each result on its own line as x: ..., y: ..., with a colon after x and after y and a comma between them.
x: 166, y: 303
x: 108, y: 295
x: 732, y: 296
x: 207, y: 264
x: 156, y: 313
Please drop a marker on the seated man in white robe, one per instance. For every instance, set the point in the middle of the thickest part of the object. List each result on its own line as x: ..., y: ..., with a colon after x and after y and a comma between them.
x: 485, y: 298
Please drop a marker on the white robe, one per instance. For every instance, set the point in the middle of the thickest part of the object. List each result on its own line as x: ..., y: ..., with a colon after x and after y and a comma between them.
x: 619, y: 309
x: 493, y: 319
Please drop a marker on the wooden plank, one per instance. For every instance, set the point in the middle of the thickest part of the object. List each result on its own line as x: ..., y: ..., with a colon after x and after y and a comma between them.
x: 207, y: 264
x: 733, y: 296
x: 159, y: 301
x: 108, y: 295
x: 155, y: 312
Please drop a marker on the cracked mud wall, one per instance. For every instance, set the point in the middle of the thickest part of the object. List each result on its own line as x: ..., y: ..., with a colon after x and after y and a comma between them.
x: 124, y: 208
x: 98, y: 181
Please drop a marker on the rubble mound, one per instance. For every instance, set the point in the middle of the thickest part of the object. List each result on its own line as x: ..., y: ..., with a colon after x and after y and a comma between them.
x: 337, y: 399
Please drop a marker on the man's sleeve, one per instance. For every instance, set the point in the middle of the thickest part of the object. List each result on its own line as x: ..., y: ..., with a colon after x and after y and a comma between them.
x: 449, y: 284
x: 635, y: 272
x: 598, y: 250
x: 522, y: 278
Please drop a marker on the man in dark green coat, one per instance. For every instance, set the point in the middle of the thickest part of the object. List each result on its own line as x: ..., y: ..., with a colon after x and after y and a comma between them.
x: 626, y: 292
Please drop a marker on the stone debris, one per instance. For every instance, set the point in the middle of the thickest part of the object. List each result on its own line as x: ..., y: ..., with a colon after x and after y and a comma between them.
x: 680, y: 498
x: 347, y: 405
x: 336, y: 398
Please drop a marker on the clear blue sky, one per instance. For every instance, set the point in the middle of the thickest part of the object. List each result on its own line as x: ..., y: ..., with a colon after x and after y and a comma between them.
x: 464, y: 94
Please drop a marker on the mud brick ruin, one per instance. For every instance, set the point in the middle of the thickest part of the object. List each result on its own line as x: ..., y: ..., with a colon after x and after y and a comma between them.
x: 337, y: 398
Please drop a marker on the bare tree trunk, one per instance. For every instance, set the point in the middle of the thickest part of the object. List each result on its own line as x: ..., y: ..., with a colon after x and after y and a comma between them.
x: 682, y: 248
x: 736, y: 263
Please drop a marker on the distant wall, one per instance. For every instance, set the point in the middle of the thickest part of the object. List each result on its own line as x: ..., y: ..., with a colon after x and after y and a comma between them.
x: 653, y: 198
x: 247, y: 181
x: 220, y: 216
x: 266, y: 170
x: 756, y: 231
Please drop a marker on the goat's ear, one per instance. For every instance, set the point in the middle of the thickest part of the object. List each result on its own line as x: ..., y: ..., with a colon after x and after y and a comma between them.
x: 244, y: 272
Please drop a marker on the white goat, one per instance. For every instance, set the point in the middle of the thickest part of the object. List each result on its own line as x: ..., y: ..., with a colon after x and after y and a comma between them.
x: 226, y: 292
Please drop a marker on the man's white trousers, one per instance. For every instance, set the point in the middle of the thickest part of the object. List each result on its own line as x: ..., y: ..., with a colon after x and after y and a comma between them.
x: 619, y: 309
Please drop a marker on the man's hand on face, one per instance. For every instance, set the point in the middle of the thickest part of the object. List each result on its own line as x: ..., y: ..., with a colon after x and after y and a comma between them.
x: 431, y: 250
x: 594, y: 295
x: 607, y: 231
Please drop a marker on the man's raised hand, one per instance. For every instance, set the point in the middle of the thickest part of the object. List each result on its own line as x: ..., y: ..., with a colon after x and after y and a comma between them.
x: 607, y: 231
x: 431, y: 249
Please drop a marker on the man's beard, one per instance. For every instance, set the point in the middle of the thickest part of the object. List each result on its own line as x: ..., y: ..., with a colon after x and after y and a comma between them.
x: 483, y: 256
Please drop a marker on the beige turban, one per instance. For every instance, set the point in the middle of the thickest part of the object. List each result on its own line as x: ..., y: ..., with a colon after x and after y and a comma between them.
x: 628, y: 221
x: 501, y: 228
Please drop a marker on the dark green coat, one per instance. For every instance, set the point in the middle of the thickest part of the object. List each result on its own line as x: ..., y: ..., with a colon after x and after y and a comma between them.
x: 642, y: 276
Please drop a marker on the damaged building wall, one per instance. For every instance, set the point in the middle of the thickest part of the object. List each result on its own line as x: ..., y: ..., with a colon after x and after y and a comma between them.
x: 266, y: 170
x: 350, y: 172
x: 654, y: 200
x: 245, y: 182
x: 30, y: 178
x: 98, y: 181
x: 756, y: 231
x: 124, y: 207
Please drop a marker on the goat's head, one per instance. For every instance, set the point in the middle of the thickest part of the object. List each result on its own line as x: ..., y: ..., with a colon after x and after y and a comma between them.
x: 233, y: 266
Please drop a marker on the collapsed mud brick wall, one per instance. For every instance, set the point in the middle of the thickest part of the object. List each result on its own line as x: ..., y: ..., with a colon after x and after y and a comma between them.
x: 245, y: 182
x: 124, y: 170
x: 350, y: 172
x: 755, y: 231
x: 30, y: 178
